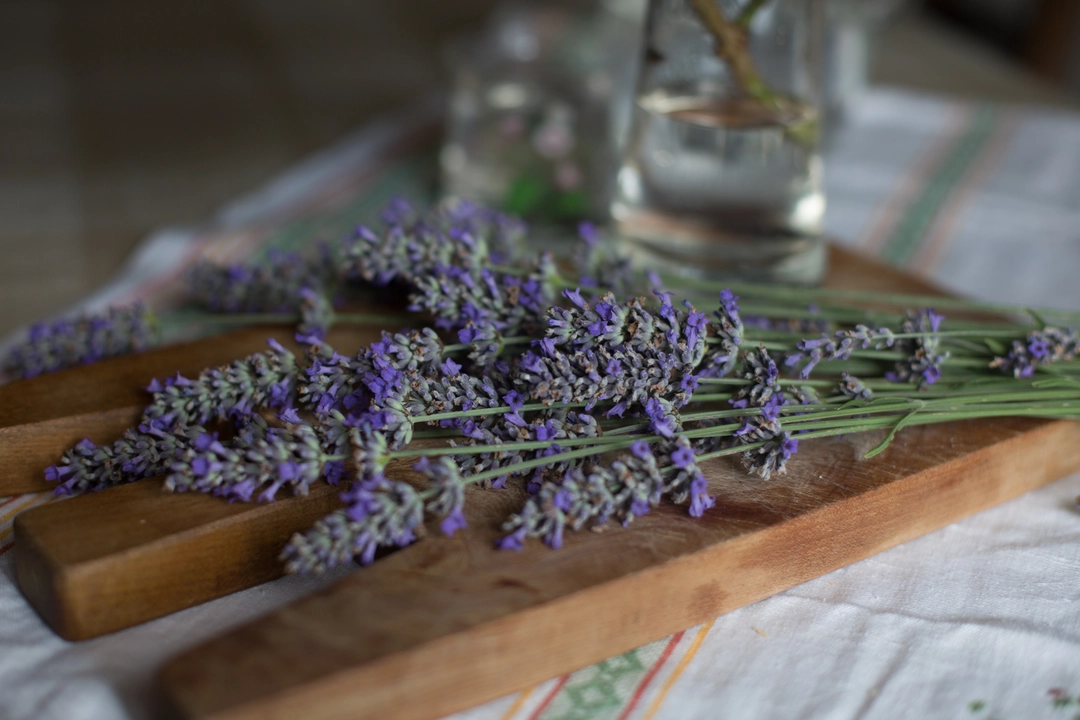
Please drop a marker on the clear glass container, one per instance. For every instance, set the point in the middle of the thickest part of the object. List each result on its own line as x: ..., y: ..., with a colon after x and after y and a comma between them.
x: 530, y: 110
x: 721, y: 171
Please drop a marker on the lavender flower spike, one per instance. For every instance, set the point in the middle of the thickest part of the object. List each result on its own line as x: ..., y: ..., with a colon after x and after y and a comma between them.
x: 450, y: 492
x: 923, y: 365
x: 67, y: 343
x: 380, y: 513
x: 142, y: 452
x: 1040, y: 347
x: 729, y: 330
x: 260, y: 458
x: 261, y: 380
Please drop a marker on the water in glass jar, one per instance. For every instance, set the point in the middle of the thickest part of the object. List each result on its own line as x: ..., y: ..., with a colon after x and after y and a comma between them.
x: 723, y: 186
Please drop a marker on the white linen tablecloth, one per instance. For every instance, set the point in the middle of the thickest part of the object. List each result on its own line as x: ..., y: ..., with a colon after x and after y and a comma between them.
x: 979, y: 620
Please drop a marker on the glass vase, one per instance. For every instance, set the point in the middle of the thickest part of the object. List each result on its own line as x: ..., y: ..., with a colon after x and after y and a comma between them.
x: 721, y: 172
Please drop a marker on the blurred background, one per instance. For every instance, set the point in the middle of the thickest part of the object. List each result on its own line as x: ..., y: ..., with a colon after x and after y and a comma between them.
x: 118, y: 117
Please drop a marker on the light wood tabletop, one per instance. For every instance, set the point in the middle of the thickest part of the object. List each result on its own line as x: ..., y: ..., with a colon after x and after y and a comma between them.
x: 119, y: 117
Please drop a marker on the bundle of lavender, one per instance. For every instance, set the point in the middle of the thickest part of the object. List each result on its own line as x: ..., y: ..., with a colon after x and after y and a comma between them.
x: 602, y: 403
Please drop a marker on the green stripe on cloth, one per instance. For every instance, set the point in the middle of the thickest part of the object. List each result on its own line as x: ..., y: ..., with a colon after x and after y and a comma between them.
x: 602, y: 691
x: 919, y: 216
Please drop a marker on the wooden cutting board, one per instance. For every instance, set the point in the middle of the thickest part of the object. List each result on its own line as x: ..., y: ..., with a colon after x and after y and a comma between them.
x: 450, y: 622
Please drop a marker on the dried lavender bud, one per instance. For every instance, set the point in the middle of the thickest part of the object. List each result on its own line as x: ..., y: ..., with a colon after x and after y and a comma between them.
x: 1040, y: 347
x: 449, y: 492
x: 837, y: 347
x: 142, y: 452
x: 923, y: 365
x: 685, y: 479
x: 729, y: 331
x: 445, y: 257
x: 779, y: 446
x: 458, y: 234
x: 266, y: 379
x: 854, y: 388
x: 615, y: 352
x: 759, y: 368
x: 259, y: 458
x: 370, y: 451
x: 378, y: 372
x: 83, y: 340
x: 805, y: 394
x: 380, y: 513
x: 276, y: 285
x: 627, y: 489
x: 335, y: 433
x: 454, y: 391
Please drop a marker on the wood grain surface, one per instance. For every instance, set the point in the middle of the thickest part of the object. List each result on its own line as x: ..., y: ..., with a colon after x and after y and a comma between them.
x: 120, y: 557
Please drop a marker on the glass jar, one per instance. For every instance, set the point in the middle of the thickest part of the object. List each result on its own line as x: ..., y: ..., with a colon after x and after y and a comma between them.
x: 721, y: 172
x: 530, y: 111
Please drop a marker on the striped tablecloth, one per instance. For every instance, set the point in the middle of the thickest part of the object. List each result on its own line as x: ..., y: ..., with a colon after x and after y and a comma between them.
x: 979, y: 620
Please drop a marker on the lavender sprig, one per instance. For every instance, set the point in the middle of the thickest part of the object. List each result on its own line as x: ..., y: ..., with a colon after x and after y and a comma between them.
x: 380, y: 513
x: 142, y: 452
x: 262, y: 380
x: 261, y: 459
x: 838, y: 346
x: 82, y: 340
x: 1040, y: 347
x: 923, y: 364
x: 276, y: 285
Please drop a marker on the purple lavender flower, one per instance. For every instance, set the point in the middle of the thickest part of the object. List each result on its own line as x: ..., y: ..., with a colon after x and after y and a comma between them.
x: 364, y: 384
x: 617, y: 352
x: 1040, y: 347
x: 778, y: 445
x: 684, y: 479
x: 507, y: 430
x: 262, y: 380
x: 379, y: 513
x: 838, y: 346
x: 923, y: 364
x: 854, y: 388
x: 445, y: 258
x: 83, y: 340
x: 142, y: 452
x: 449, y: 489
x: 275, y: 285
x: 729, y: 331
x: 633, y: 484
x: 760, y: 369
x: 259, y: 458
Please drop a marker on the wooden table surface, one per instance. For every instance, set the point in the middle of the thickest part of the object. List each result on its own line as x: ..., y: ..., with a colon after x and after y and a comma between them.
x: 118, y: 117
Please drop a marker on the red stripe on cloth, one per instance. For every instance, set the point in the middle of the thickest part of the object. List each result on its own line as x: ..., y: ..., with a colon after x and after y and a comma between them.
x: 926, y: 259
x: 550, y: 696
x: 910, y: 181
x: 10, y: 500
x: 644, y: 684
